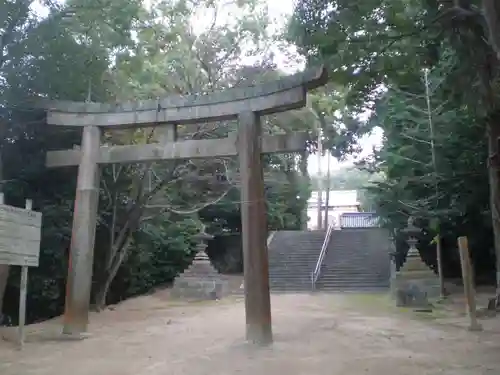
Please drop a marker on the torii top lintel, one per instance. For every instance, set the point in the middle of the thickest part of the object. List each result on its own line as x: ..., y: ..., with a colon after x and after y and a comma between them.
x: 280, y: 95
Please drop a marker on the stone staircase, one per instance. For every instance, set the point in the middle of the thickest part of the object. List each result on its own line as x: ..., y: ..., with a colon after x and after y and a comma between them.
x: 356, y: 260
x: 292, y: 258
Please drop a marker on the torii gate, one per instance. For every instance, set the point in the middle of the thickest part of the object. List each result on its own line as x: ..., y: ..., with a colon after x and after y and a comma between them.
x: 247, y: 104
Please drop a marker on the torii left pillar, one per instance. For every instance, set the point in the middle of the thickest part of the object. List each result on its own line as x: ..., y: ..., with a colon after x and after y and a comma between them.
x: 78, y: 287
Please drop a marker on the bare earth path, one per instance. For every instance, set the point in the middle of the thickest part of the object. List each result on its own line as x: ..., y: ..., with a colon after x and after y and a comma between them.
x: 321, y: 334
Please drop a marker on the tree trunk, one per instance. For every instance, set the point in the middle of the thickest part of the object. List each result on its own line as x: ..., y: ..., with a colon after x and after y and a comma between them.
x: 102, y: 292
x: 4, y: 275
x: 491, y: 11
x: 4, y: 268
x: 327, y: 195
x: 320, y: 182
x: 494, y: 181
x: 493, y: 133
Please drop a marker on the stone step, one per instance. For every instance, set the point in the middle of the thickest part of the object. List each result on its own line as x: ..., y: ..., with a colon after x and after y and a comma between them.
x: 383, y: 289
x: 350, y: 257
x: 295, y: 280
x: 290, y: 275
x: 352, y: 267
x: 353, y: 270
x: 348, y: 271
x: 352, y: 288
x: 352, y: 281
x: 291, y: 290
x: 292, y: 257
x: 356, y: 259
x: 288, y: 267
x: 290, y: 271
x: 290, y: 286
x: 353, y: 277
x: 284, y: 264
x: 290, y: 282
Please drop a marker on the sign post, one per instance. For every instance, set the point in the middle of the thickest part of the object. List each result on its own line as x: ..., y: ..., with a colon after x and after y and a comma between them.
x: 20, y: 235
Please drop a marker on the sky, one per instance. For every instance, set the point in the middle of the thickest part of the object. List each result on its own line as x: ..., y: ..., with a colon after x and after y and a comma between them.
x: 279, y: 12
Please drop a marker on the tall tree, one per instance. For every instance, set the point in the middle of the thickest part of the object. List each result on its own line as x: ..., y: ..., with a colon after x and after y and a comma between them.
x: 44, y: 57
x: 381, y: 43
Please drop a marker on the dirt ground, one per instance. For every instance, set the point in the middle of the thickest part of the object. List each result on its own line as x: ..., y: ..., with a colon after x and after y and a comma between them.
x: 314, y: 334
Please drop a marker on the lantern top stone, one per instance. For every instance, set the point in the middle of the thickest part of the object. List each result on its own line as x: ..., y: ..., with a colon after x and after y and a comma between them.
x: 202, y: 235
x: 411, y: 230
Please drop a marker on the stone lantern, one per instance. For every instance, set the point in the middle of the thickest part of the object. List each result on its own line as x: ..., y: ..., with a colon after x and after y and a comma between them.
x: 200, y: 281
x: 415, y: 282
x: 201, y: 256
x: 412, y: 231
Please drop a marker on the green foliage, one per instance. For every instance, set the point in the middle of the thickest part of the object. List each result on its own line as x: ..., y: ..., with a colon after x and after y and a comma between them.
x: 361, y: 42
x: 379, y: 51
x: 106, y: 50
x: 453, y: 193
x: 162, y: 248
x: 32, y: 49
x: 451, y: 187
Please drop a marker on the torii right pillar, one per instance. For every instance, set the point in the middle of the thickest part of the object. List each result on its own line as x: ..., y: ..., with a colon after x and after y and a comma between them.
x: 254, y: 231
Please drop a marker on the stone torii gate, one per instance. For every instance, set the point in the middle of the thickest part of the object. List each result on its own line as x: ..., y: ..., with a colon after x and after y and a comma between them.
x: 247, y: 105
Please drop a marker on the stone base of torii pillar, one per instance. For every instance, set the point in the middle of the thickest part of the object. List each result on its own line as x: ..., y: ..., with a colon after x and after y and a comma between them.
x: 201, y: 281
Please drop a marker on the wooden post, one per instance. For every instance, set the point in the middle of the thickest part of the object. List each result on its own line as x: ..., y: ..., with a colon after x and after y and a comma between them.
x: 23, y: 292
x: 254, y: 232
x: 83, y: 235
x: 439, y: 253
x: 470, y: 296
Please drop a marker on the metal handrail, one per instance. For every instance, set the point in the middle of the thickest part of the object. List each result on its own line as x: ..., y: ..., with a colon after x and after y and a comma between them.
x: 317, y: 270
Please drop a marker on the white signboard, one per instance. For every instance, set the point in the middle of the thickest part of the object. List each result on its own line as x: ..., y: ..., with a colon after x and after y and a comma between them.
x: 20, y: 235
